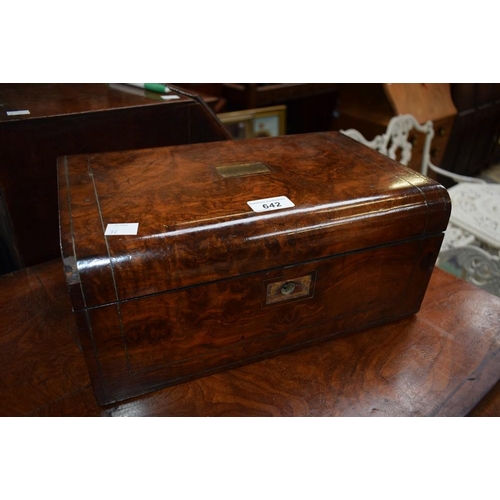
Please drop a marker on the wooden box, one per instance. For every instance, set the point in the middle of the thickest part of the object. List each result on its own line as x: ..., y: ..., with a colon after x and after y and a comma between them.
x: 243, y: 250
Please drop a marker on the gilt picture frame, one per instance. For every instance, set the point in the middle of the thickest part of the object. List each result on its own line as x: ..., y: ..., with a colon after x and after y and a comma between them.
x: 258, y: 122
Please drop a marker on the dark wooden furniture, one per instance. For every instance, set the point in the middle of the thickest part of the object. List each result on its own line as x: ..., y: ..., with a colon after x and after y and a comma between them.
x: 443, y: 361
x: 309, y: 106
x: 74, y: 119
x: 368, y: 107
x: 258, y: 95
x: 211, y: 93
x: 209, y: 281
x: 476, y: 129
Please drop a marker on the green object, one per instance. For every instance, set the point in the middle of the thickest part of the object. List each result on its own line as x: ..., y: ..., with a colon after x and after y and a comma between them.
x: 156, y: 87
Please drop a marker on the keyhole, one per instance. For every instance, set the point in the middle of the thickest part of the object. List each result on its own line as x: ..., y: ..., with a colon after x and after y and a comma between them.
x: 288, y: 288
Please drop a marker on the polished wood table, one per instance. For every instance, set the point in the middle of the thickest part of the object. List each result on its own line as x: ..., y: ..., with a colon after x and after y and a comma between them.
x: 444, y: 361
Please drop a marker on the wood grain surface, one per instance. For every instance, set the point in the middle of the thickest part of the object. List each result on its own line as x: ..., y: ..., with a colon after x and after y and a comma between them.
x: 440, y: 362
x: 347, y: 198
x: 426, y: 101
x: 184, y: 296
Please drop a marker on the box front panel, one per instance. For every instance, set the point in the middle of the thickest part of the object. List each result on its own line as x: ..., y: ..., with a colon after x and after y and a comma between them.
x: 168, y: 338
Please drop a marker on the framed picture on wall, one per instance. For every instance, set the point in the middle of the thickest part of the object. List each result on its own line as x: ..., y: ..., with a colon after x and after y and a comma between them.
x: 259, y: 122
x: 237, y: 124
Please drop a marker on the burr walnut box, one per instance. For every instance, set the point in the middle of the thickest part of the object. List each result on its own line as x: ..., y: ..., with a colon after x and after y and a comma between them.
x: 187, y: 260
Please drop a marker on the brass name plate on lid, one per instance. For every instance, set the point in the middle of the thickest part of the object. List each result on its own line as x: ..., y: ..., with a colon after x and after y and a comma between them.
x: 241, y: 169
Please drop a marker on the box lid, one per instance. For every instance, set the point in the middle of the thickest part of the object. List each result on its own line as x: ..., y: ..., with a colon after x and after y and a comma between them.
x: 315, y: 195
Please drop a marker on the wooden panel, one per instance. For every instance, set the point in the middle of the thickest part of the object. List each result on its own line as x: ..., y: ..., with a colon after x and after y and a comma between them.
x: 476, y: 129
x: 442, y: 361
x: 76, y: 119
x: 425, y: 101
x: 364, y: 103
x: 253, y: 95
x: 165, y: 339
x: 8, y: 254
x: 309, y: 106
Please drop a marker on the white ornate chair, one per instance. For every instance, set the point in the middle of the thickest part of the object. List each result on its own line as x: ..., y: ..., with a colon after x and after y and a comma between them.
x: 472, y: 239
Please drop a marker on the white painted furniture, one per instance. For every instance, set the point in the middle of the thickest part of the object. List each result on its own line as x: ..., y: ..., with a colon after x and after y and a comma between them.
x: 476, y: 212
x: 472, y: 239
x: 394, y: 143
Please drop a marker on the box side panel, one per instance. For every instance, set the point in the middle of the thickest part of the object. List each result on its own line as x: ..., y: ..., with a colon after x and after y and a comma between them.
x: 87, y: 260
x: 424, y: 263
x: 92, y: 355
x: 66, y: 238
x: 172, y: 337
